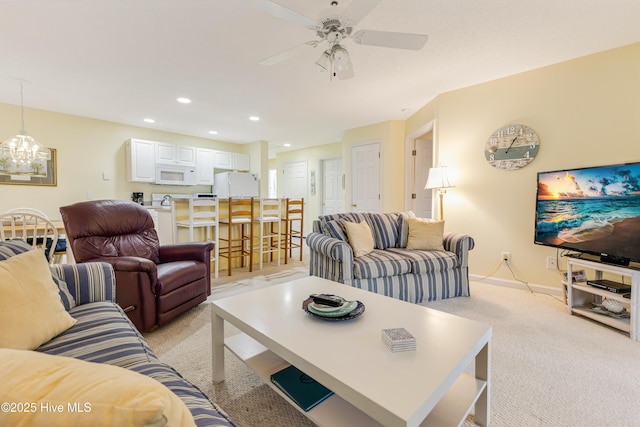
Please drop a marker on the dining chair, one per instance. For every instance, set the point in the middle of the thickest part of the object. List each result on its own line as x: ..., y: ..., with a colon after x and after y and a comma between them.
x: 35, y: 229
x: 60, y: 250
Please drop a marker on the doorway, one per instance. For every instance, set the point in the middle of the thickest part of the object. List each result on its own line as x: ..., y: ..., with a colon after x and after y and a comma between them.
x: 420, y: 149
x: 332, y: 186
x: 365, y: 180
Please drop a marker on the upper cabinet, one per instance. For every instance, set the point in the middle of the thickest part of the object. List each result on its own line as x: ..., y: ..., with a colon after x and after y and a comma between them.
x: 140, y: 160
x: 143, y: 156
x: 241, y: 162
x: 223, y: 160
x: 231, y: 161
x: 175, y: 154
x: 205, y: 161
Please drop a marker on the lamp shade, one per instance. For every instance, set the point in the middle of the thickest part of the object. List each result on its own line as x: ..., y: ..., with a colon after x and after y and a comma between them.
x: 438, y: 178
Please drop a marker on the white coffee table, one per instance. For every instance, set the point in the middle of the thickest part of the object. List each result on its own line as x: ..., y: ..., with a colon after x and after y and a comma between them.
x: 372, y: 385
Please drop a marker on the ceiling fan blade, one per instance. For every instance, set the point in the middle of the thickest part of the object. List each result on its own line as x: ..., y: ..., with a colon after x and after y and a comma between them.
x: 390, y: 39
x: 283, y: 13
x: 289, y: 53
x: 358, y: 9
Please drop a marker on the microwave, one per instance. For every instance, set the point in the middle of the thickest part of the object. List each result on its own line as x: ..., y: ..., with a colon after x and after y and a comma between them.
x: 175, y: 175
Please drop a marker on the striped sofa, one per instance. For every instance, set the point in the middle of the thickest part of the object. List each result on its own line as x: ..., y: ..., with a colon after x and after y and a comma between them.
x: 104, y: 334
x: 392, y: 270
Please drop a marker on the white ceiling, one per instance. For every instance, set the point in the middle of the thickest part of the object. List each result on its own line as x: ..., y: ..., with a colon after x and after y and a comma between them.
x: 125, y: 60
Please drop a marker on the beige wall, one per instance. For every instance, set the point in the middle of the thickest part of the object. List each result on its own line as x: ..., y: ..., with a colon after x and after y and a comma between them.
x: 585, y: 112
x: 391, y: 137
x: 86, y: 148
x: 314, y: 157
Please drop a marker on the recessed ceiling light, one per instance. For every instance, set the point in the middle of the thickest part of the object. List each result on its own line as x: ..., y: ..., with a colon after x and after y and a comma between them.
x: 287, y: 145
x: 213, y: 132
x: 254, y: 118
x: 149, y: 120
x: 184, y: 100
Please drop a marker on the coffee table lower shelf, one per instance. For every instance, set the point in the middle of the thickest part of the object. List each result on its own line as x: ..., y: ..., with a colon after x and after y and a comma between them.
x: 452, y: 410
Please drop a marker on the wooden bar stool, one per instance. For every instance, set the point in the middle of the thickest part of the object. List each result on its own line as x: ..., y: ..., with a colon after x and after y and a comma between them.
x: 240, y: 216
x: 202, y: 213
x: 269, y: 218
x: 293, y: 212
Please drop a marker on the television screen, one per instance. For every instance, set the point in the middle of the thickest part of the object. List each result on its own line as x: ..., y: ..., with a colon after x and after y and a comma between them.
x: 594, y: 210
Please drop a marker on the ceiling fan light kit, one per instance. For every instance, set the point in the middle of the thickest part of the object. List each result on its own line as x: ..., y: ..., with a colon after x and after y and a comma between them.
x: 334, y: 26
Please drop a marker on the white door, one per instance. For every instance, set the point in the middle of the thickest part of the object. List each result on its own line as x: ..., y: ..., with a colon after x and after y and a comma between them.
x: 294, y: 186
x: 272, y: 190
x: 365, y: 180
x: 332, y: 186
x: 423, y: 160
x: 294, y: 180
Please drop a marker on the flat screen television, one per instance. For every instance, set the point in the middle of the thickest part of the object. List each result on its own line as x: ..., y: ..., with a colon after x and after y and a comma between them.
x: 593, y: 210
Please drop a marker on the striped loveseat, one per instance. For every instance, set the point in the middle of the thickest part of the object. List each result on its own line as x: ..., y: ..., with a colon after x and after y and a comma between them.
x: 104, y: 334
x: 392, y: 270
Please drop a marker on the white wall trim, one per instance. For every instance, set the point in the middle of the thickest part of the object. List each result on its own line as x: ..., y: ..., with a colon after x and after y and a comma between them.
x: 542, y: 289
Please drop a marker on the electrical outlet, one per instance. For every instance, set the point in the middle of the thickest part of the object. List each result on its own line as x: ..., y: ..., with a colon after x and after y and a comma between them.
x: 552, y: 263
x: 506, y: 256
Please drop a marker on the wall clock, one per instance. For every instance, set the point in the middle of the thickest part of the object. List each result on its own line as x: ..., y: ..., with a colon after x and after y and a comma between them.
x: 512, y: 147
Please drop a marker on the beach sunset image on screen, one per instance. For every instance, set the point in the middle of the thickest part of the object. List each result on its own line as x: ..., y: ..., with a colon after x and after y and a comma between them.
x: 594, y: 210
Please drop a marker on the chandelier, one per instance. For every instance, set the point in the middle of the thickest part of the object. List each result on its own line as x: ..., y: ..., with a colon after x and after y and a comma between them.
x: 22, y: 148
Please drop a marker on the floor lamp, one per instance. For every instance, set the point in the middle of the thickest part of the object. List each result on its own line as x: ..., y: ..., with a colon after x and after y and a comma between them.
x: 439, y: 179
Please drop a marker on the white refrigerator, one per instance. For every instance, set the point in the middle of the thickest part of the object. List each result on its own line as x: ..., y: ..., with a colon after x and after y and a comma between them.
x: 235, y: 184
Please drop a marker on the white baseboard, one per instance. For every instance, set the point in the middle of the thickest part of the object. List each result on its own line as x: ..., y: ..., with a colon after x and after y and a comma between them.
x: 543, y: 289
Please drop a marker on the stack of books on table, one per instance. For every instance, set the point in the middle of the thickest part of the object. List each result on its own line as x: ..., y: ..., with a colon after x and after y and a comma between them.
x: 398, y: 339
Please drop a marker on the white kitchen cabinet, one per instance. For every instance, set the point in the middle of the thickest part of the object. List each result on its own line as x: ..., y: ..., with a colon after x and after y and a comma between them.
x: 140, y: 160
x: 175, y: 154
x: 204, y: 167
x: 223, y: 160
x: 231, y: 161
x: 241, y: 162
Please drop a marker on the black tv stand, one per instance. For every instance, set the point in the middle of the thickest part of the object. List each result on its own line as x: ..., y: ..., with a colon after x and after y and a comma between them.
x: 610, y: 259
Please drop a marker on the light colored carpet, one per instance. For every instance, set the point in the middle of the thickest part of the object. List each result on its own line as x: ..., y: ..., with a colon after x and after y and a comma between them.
x: 548, y: 368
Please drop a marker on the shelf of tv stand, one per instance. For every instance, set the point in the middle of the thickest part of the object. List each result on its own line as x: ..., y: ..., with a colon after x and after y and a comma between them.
x: 575, y: 290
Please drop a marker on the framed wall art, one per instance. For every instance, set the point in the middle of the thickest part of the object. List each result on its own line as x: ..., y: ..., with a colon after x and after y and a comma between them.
x: 40, y: 172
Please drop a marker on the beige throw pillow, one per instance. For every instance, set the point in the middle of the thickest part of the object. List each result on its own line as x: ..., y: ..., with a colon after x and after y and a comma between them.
x: 31, y: 311
x: 425, y: 235
x: 73, y: 392
x: 360, y: 238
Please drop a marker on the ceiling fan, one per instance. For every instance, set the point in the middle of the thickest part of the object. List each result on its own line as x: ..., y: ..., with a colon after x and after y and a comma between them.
x: 334, y: 25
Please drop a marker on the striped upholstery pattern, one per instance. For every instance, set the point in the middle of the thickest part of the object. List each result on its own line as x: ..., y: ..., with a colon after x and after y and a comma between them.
x: 386, y: 228
x: 104, y: 334
x: 331, y: 258
x: 413, y: 276
x: 418, y: 288
x: 380, y: 264
x: 335, y: 229
x: 88, y: 282
x: 403, y: 228
x: 426, y: 261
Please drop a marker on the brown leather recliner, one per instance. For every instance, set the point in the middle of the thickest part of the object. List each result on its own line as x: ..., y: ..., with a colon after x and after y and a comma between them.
x: 154, y: 283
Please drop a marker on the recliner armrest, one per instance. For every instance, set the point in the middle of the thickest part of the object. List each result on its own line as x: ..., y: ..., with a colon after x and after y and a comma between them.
x: 129, y: 263
x: 198, y: 251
